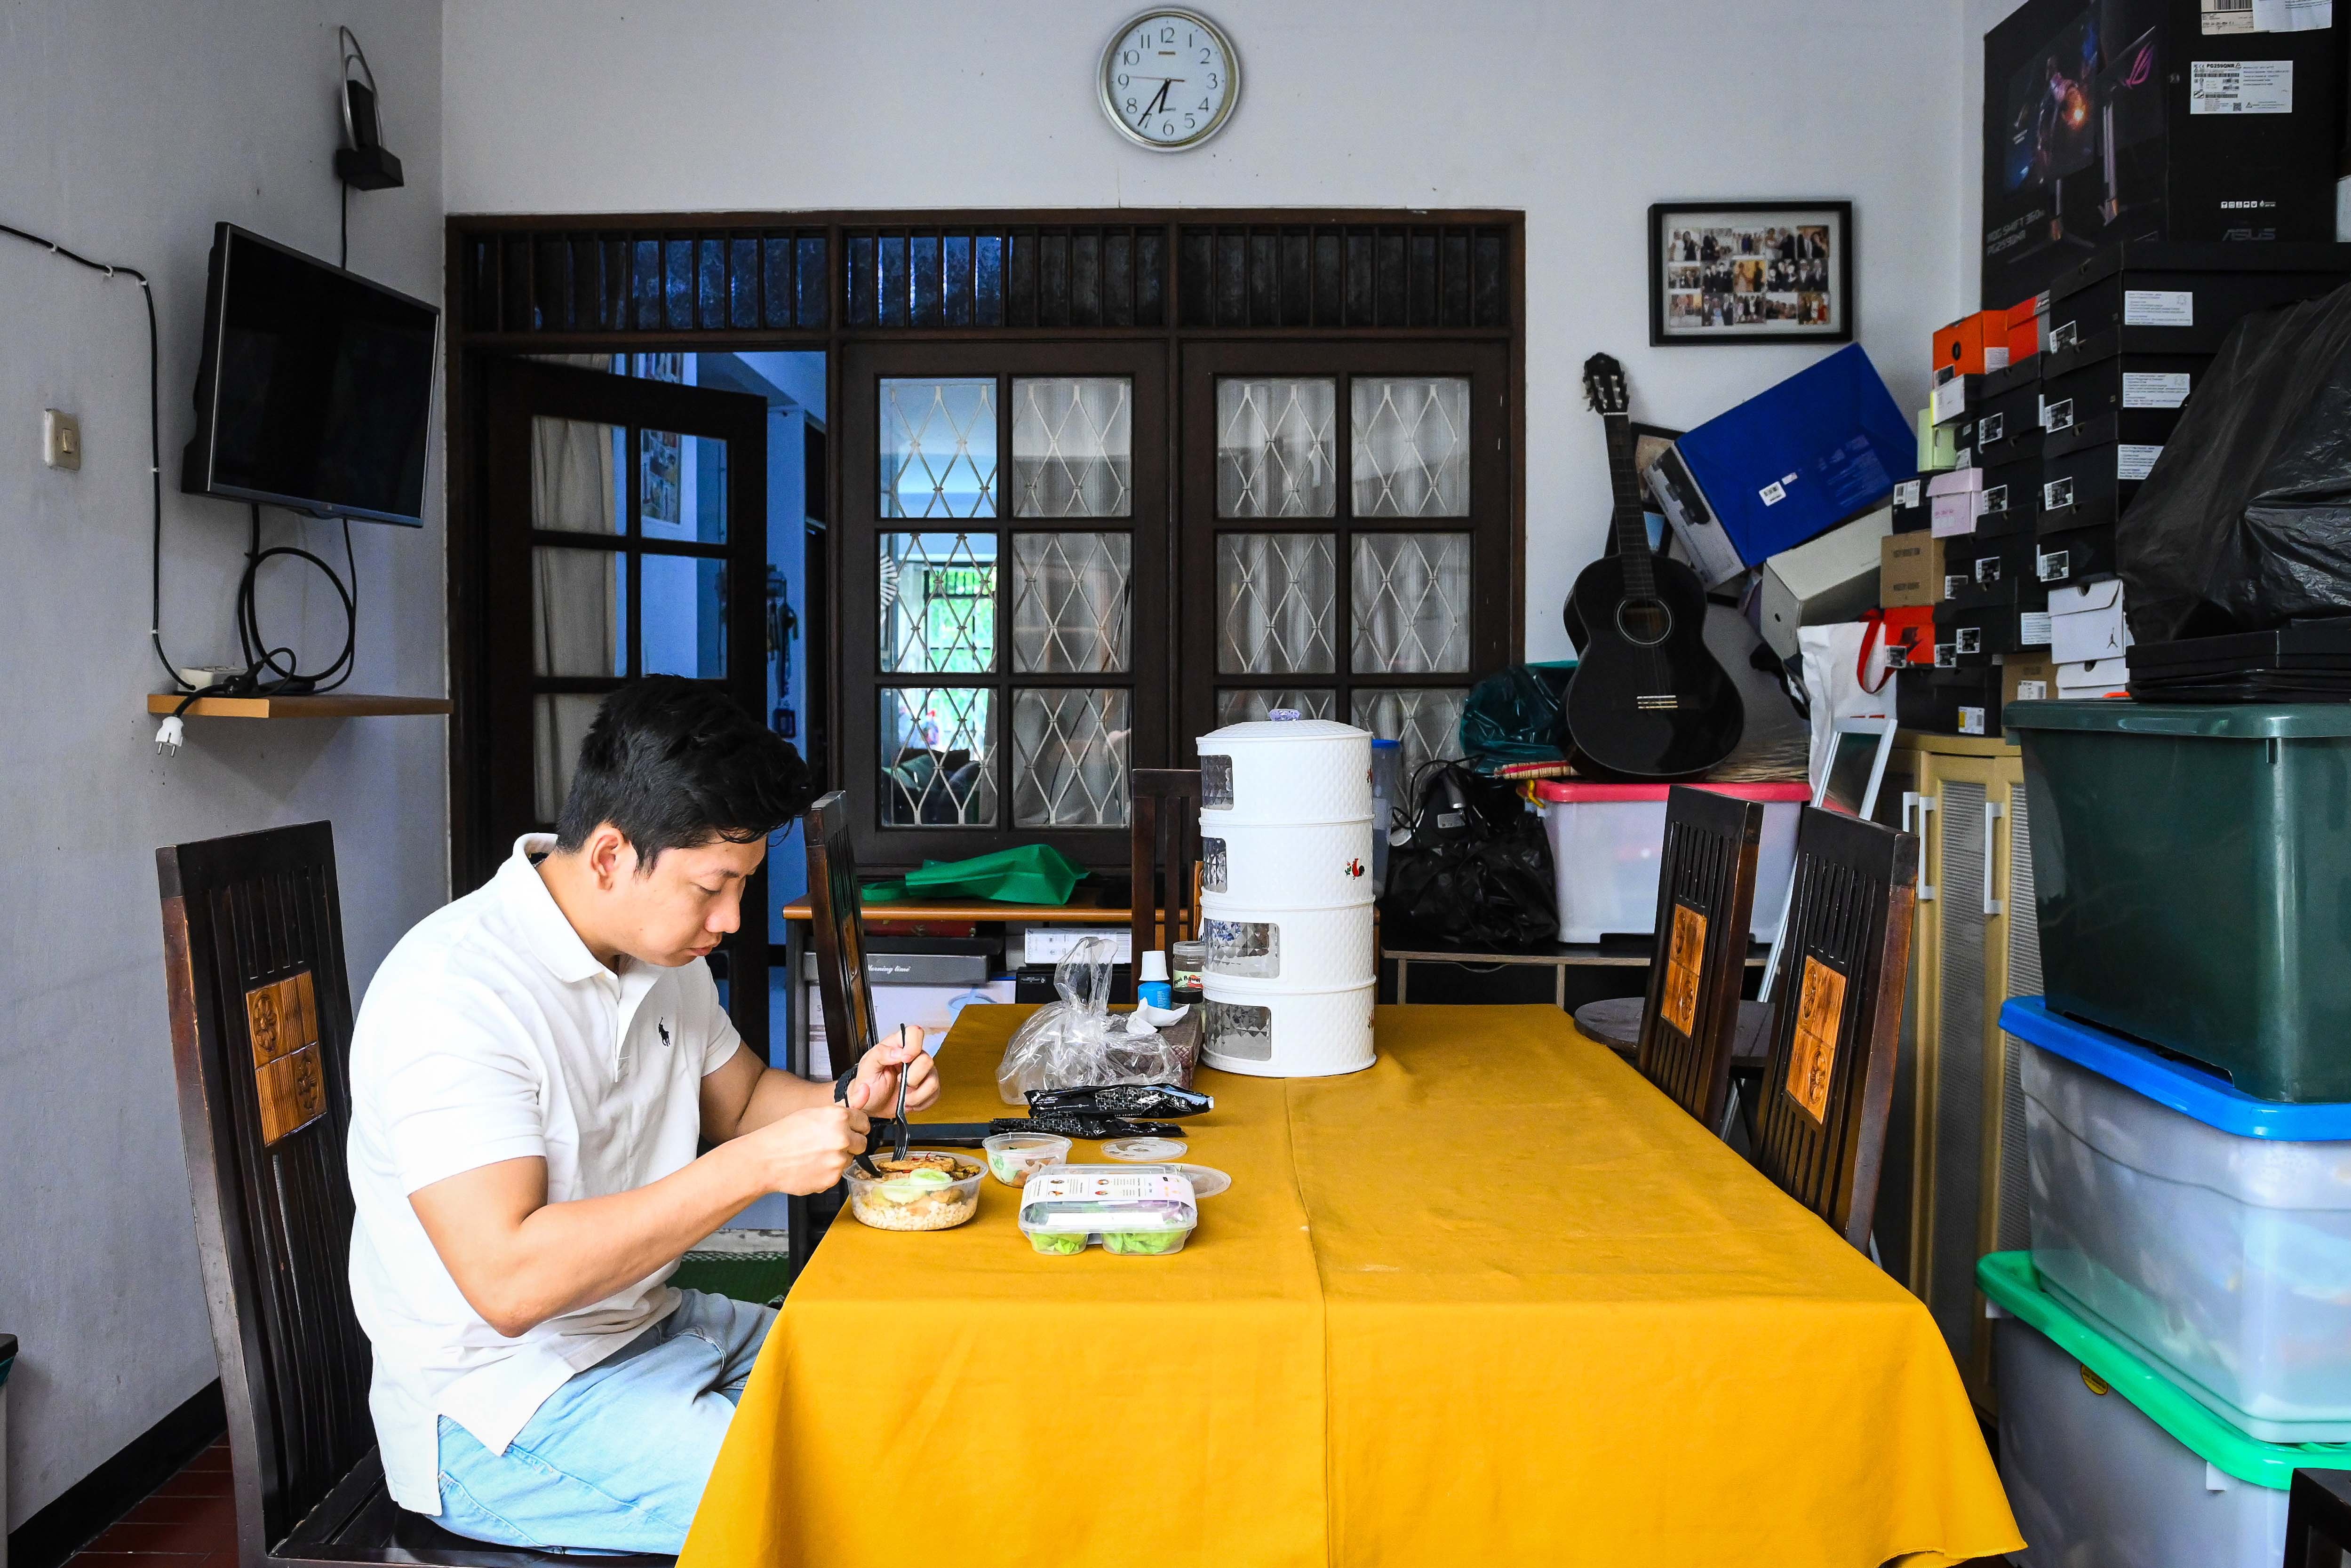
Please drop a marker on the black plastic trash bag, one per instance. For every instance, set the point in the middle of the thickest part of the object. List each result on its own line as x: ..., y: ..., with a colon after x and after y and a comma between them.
x: 1517, y: 716
x: 1470, y: 868
x: 2244, y: 523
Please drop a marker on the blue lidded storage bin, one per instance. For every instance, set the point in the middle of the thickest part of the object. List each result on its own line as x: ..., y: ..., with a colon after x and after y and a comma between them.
x: 2207, y: 1230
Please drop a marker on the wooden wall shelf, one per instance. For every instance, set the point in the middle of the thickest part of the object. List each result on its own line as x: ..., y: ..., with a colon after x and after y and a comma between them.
x: 332, y: 704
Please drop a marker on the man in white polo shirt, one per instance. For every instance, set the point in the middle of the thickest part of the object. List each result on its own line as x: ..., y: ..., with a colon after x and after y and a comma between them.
x: 532, y: 1071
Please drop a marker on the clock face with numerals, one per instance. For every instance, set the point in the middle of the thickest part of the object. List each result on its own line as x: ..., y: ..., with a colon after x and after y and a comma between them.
x: 1170, y: 80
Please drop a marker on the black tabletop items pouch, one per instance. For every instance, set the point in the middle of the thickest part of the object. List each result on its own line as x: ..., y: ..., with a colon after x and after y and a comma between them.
x: 1470, y: 868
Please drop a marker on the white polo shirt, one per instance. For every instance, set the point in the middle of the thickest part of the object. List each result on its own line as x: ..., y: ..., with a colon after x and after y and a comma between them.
x: 491, y: 1033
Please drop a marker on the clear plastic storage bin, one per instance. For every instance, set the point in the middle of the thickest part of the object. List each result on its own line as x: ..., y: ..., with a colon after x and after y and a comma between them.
x: 2106, y: 1464
x: 2208, y: 1232
x: 1604, y: 841
x: 1133, y: 1210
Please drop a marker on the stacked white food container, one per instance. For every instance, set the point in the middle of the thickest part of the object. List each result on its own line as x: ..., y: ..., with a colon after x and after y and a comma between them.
x: 1290, y: 974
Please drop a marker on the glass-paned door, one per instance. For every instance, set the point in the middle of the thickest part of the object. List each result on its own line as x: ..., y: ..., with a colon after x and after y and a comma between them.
x: 1003, y: 556
x: 1345, y: 534
x: 627, y: 536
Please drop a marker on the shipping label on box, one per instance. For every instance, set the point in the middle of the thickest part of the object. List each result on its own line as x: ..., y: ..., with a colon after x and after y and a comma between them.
x: 2027, y: 677
x: 2241, y: 87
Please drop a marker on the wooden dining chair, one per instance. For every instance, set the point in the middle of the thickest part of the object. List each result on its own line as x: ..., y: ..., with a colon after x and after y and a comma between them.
x: 1705, y: 900
x: 1828, y: 1084
x: 261, y: 1025
x: 2318, y: 1518
x: 836, y: 914
x: 1163, y: 827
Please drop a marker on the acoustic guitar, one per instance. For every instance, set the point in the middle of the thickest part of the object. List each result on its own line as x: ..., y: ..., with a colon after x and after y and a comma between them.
x: 1648, y: 700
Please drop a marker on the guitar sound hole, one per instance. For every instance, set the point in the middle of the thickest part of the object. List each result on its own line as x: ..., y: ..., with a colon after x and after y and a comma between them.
x: 1643, y: 621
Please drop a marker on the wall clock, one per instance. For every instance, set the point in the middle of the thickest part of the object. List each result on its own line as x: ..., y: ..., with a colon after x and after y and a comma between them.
x: 1170, y: 80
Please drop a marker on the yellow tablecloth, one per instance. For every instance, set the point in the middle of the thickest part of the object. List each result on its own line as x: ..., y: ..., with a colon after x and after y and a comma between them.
x: 1628, y: 1348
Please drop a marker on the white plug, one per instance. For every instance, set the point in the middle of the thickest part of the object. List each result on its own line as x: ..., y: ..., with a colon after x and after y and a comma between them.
x: 168, y: 734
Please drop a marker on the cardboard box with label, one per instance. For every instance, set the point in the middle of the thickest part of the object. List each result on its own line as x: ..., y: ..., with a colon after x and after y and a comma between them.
x: 2027, y: 678
x: 1910, y: 570
x: 1824, y: 446
x: 2174, y: 119
x: 2087, y: 624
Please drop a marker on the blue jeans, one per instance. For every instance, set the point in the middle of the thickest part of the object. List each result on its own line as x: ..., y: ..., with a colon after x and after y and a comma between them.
x: 617, y: 1458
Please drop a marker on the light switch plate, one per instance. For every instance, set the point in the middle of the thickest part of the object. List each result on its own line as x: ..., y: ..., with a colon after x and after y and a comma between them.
x: 60, y: 439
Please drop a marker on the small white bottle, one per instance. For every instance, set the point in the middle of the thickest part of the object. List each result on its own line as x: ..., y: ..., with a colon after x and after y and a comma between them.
x: 1152, y: 987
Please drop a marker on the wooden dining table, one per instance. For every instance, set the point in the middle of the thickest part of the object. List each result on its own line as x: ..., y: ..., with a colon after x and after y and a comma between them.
x: 1494, y: 1299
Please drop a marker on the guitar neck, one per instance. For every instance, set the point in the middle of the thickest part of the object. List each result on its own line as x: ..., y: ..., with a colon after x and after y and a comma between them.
x: 1631, y: 525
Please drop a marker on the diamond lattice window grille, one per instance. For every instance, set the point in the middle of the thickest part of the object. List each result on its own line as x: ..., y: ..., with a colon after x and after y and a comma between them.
x: 1241, y: 707
x: 1411, y: 445
x: 1070, y: 602
x: 1426, y: 723
x: 1073, y: 447
x: 938, y: 757
x: 938, y: 448
x: 1068, y: 758
x: 1274, y: 452
x: 1411, y: 604
x: 1277, y: 597
x: 938, y: 604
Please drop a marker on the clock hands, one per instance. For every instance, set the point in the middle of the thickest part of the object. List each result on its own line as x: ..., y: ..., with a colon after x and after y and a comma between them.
x: 1159, y: 103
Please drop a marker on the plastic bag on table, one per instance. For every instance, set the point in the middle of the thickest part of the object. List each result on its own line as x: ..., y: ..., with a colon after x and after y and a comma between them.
x: 1075, y: 1042
x: 2244, y: 522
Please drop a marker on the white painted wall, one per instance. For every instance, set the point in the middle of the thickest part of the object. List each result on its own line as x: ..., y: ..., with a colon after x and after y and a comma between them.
x: 126, y: 130
x: 1580, y: 112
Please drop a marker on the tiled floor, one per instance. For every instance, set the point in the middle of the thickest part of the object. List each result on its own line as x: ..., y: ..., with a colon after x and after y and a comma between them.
x: 190, y: 1521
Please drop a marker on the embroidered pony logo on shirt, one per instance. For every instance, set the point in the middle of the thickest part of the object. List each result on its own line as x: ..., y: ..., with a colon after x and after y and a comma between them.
x: 661, y: 1026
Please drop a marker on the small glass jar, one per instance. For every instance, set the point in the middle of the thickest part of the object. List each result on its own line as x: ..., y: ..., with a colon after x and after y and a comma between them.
x: 1191, y: 959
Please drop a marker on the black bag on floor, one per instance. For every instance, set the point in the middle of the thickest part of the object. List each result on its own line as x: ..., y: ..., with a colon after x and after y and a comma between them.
x: 2244, y: 523
x: 1470, y: 868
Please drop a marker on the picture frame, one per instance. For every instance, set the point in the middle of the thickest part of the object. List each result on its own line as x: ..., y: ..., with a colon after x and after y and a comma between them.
x: 1751, y: 272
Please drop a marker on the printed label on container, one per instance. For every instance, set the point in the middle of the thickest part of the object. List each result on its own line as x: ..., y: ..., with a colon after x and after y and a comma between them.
x: 1992, y: 427
x: 2064, y: 337
x: 1906, y: 493
x: 2058, y: 415
x: 1949, y: 400
x: 1772, y: 494
x: 1947, y: 656
x: 1970, y: 640
x: 2292, y: 15
x: 1954, y: 584
x: 2134, y: 462
x: 2158, y: 308
x: 2150, y: 389
x: 2055, y: 564
x: 2057, y: 494
x: 2032, y: 690
x: 1987, y: 570
x: 2223, y: 16
x: 1996, y: 498
x: 2033, y: 628
x: 1996, y: 359
x: 1971, y: 720
x: 2240, y: 87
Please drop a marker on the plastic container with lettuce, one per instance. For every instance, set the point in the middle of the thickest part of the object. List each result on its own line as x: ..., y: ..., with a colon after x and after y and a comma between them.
x: 1138, y: 1211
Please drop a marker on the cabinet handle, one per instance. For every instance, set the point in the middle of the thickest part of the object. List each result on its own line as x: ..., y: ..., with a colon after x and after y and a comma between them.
x: 1994, y: 811
x: 1922, y: 804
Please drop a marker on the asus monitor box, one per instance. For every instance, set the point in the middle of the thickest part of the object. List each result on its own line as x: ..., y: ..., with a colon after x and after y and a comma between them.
x: 2174, y: 120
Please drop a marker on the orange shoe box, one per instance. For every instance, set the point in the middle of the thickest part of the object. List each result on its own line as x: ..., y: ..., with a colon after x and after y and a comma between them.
x: 1972, y: 345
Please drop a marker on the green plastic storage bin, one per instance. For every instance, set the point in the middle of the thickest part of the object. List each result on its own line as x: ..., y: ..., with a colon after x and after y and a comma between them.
x: 2192, y: 866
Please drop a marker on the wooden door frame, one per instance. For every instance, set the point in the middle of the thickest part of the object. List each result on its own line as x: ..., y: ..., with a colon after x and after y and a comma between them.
x: 503, y: 275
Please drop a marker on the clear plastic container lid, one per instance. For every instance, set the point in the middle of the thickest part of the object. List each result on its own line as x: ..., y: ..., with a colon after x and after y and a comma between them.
x: 1098, y: 1202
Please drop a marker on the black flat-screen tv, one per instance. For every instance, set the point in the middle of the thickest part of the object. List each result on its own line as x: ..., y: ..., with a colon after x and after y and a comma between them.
x: 316, y: 387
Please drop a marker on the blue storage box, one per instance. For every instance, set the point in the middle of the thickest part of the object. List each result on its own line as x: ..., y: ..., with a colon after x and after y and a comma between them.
x: 1826, y: 445
x: 2202, y: 1229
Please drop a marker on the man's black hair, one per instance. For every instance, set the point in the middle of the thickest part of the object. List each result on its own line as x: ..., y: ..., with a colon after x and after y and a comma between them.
x: 674, y: 764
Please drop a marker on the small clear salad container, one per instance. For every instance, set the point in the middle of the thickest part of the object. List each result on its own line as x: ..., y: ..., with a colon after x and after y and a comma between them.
x: 930, y: 1190
x: 1137, y: 1210
x: 1014, y: 1157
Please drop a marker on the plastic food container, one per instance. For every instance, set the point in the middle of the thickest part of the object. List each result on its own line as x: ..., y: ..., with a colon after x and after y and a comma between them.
x: 1267, y: 1029
x: 1286, y: 771
x: 1134, y: 1210
x: 1308, y: 948
x: 2188, y: 862
x: 2207, y: 1231
x: 939, y: 1195
x: 2106, y: 1462
x: 1014, y: 1157
x: 1605, y: 843
x: 1288, y: 865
